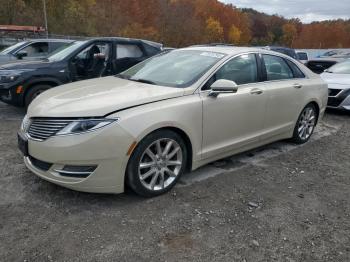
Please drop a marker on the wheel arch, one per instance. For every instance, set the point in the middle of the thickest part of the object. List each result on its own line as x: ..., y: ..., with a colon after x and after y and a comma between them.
x: 183, y: 134
x: 317, y: 106
x: 41, y: 81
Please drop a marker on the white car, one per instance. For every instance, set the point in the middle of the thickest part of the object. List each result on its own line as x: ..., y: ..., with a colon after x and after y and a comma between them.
x: 168, y: 115
x: 338, y: 79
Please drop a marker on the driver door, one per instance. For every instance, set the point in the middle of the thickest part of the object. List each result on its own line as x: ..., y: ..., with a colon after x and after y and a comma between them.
x: 234, y: 120
x: 91, y: 62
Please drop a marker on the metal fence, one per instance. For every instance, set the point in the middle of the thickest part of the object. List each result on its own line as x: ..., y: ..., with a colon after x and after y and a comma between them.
x: 11, y: 38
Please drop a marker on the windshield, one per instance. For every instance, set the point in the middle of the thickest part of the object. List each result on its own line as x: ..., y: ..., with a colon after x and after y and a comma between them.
x: 341, y: 68
x: 11, y: 48
x: 64, y: 51
x: 179, y: 68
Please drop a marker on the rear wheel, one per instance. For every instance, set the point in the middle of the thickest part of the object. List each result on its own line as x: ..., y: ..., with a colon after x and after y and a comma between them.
x: 157, y: 163
x: 305, y: 125
x: 34, y: 92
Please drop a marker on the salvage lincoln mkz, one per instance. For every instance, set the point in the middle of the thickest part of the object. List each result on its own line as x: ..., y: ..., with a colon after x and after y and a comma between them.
x: 167, y: 115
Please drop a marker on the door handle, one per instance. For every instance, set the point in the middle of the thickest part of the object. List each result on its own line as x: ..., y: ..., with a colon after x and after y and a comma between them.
x: 256, y: 91
x: 298, y: 86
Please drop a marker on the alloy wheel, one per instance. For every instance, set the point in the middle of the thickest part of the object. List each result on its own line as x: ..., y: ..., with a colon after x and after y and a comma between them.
x: 307, y: 123
x: 160, y: 164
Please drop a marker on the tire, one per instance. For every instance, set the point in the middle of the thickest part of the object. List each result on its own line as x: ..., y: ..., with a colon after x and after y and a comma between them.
x: 305, y: 125
x: 34, y: 92
x: 151, y: 174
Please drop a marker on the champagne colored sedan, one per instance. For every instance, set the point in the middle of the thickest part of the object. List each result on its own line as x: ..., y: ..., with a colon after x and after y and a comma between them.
x: 169, y: 115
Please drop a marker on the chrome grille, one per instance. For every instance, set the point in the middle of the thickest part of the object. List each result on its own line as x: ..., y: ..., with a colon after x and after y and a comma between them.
x: 43, y: 128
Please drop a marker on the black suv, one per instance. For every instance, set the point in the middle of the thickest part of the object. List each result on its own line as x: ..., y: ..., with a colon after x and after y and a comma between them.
x: 21, y: 82
x: 31, y: 49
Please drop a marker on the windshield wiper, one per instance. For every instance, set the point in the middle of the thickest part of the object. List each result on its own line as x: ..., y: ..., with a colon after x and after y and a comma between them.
x: 143, y: 81
x: 122, y: 76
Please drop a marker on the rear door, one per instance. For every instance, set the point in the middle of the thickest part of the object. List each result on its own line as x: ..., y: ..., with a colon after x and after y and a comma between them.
x: 284, y: 84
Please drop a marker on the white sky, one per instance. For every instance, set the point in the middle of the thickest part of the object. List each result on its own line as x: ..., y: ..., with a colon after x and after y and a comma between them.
x: 306, y: 10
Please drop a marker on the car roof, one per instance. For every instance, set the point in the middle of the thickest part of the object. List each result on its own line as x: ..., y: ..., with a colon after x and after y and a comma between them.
x: 50, y: 40
x: 229, y: 50
x: 277, y: 47
x: 124, y: 39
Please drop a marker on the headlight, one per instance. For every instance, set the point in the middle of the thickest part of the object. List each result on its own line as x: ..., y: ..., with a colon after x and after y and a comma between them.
x: 85, y: 125
x: 25, y: 123
x: 8, y: 78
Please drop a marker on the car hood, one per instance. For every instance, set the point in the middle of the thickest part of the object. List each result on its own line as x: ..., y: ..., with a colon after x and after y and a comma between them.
x: 4, y: 58
x: 98, y: 97
x: 341, y: 81
x: 26, y: 65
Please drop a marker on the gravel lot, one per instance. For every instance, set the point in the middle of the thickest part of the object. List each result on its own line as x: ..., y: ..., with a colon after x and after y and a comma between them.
x: 279, y: 203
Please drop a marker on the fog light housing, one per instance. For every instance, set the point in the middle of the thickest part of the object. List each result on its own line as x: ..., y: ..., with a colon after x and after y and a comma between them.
x: 76, y: 171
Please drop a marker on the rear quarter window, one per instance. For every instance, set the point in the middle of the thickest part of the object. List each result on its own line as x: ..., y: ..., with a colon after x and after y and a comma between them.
x: 296, y: 70
x: 128, y: 51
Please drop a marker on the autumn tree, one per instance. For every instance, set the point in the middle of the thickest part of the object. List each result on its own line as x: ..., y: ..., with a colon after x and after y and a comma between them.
x: 175, y: 23
x: 214, y: 30
x: 10, y: 10
x: 234, y: 35
x: 136, y: 30
x: 289, y: 34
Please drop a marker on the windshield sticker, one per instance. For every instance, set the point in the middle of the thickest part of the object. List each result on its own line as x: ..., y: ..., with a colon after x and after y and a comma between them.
x: 212, y: 54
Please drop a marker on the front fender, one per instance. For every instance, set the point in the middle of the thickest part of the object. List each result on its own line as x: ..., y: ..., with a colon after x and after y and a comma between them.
x: 184, y: 113
x: 38, y: 80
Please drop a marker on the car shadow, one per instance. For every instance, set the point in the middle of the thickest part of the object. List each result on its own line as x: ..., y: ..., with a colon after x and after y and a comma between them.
x: 332, y: 111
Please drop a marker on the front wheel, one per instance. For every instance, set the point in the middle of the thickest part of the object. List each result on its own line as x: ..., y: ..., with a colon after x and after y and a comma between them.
x: 305, y: 125
x: 157, y: 163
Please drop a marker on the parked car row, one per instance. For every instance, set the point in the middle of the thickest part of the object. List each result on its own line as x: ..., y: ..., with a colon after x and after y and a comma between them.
x: 31, y: 49
x: 156, y: 114
x: 21, y: 82
x: 338, y: 79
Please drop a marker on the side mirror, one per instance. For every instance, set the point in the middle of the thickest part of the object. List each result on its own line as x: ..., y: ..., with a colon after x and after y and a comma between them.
x: 223, y: 86
x: 21, y: 54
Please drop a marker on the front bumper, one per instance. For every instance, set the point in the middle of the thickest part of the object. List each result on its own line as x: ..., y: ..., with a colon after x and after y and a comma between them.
x: 106, y: 148
x: 340, y: 101
x: 8, y: 94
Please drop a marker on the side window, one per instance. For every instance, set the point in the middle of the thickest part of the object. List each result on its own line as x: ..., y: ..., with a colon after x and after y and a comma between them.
x: 296, y: 71
x: 36, y: 49
x: 94, y: 50
x: 128, y: 51
x: 277, y: 68
x: 242, y: 70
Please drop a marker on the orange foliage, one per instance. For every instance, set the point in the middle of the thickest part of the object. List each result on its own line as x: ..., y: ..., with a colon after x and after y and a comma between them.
x: 176, y: 23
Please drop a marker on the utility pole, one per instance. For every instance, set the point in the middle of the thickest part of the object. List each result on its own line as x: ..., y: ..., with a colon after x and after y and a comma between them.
x: 45, y: 19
